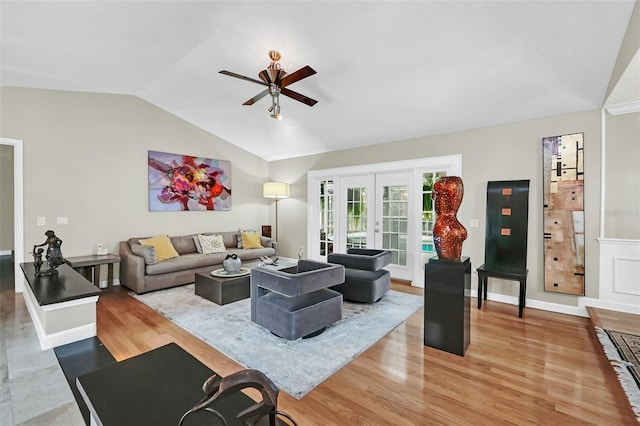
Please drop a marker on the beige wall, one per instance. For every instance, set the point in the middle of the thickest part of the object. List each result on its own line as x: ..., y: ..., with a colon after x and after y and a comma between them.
x: 622, y: 183
x: 506, y: 152
x: 6, y: 198
x: 85, y: 158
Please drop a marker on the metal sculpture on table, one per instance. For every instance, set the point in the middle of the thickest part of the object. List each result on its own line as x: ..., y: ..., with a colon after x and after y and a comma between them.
x: 53, y: 255
x: 217, y: 388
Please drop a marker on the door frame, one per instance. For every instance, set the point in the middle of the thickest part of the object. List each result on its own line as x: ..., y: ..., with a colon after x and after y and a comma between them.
x: 451, y: 163
x: 18, y: 209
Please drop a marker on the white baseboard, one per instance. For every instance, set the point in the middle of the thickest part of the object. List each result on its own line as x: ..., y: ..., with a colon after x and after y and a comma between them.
x: 538, y: 304
x: 105, y: 283
x: 5, y: 252
x: 611, y: 306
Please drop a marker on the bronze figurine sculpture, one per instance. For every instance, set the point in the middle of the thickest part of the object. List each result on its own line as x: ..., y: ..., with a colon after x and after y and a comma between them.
x: 53, y: 256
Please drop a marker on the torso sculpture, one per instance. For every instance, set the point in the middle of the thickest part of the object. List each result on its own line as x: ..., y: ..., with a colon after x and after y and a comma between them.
x: 448, y: 233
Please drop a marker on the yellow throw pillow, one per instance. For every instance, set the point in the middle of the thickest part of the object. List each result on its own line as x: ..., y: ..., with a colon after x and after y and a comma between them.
x: 163, y: 246
x: 251, y: 240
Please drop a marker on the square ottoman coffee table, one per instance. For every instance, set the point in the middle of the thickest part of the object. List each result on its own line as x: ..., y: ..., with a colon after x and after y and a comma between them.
x: 221, y: 287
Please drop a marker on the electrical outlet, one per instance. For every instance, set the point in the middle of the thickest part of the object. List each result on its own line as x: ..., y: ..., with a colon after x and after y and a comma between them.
x: 41, y: 221
x: 62, y: 220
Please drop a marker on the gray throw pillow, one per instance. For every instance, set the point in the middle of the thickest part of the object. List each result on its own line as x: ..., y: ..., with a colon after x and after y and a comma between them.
x: 198, y: 245
x: 147, y: 252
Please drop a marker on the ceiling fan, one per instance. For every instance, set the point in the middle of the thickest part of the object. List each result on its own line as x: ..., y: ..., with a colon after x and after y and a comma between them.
x: 276, y: 79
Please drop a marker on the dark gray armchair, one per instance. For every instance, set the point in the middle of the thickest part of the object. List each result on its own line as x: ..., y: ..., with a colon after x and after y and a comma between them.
x: 296, y: 304
x: 365, y: 281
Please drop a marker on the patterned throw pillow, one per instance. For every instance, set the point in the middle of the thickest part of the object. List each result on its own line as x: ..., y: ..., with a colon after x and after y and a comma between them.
x: 251, y: 240
x: 211, y: 244
x: 163, y: 246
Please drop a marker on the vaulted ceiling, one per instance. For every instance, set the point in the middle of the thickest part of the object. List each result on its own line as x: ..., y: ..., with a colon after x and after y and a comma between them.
x: 385, y: 70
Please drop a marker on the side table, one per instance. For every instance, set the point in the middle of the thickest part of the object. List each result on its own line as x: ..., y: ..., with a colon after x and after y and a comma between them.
x: 85, y: 264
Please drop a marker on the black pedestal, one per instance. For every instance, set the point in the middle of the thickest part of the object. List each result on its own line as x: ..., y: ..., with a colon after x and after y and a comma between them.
x: 447, y: 301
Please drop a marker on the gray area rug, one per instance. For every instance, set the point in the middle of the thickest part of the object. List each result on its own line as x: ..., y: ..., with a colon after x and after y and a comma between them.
x: 298, y: 366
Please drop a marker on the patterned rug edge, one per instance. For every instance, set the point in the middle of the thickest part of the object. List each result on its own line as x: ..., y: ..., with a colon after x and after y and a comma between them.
x: 623, y: 369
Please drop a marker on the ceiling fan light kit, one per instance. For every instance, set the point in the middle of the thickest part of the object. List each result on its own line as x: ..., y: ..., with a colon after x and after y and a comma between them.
x: 276, y: 79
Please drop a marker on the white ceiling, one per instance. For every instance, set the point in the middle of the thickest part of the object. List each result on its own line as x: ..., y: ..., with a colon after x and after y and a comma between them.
x: 386, y: 70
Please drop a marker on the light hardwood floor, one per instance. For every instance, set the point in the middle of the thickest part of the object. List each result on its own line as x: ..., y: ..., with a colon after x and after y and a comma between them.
x: 545, y: 368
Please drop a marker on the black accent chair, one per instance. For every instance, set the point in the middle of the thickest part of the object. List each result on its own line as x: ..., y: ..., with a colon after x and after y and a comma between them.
x: 364, y: 279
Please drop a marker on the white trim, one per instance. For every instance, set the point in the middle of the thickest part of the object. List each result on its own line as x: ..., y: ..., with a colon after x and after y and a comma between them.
x: 5, y: 252
x: 611, y: 306
x: 623, y: 108
x: 18, y: 209
x: 579, y: 311
x: 454, y: 161
x: 603, y: 168
x: 618, y: 241
x: 69, y: 304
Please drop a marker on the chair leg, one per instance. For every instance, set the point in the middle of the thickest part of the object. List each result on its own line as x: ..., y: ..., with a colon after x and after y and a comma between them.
x: 521, y: 301
x: 485, y: 284
x: 479, y: 291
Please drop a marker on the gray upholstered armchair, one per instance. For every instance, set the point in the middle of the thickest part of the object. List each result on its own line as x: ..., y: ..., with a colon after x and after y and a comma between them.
x: 296, y: 304
x: 365, y: 281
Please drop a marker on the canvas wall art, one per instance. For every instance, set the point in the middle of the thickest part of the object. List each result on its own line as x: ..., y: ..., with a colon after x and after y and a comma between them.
x: 184, y: 182
x: 564, y: 213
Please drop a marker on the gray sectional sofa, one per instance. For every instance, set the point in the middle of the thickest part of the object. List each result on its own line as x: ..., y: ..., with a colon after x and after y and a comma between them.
x: 141, y: 277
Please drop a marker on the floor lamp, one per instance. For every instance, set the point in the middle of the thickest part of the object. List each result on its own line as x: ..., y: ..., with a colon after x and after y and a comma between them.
x: 277, y: 191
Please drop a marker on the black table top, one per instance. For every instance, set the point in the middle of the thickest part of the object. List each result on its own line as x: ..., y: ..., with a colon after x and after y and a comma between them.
x: 156, y: 388
x: 66, y: 285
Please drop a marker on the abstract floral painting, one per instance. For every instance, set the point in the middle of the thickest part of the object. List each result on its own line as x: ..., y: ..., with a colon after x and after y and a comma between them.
x: 184, y: 182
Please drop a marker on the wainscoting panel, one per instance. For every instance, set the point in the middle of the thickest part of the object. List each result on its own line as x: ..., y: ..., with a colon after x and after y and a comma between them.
x: 619, y: 271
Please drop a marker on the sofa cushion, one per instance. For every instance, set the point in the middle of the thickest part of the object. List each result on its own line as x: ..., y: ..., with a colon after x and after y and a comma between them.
x: 211, y: 244
x: 163, y: 246
x: 186, y: 262
x: 184, y: 244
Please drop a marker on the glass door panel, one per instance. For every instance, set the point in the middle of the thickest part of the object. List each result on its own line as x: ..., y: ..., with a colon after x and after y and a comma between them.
x: 326, y: 217
x: 357, y: 209
x: 392, y: 213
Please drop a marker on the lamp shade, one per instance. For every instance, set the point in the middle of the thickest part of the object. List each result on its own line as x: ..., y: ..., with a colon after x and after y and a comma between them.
x: 275, y: 190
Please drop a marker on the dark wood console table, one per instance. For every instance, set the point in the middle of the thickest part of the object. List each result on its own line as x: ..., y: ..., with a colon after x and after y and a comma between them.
x: 91, y: 263
x: 155, y: 388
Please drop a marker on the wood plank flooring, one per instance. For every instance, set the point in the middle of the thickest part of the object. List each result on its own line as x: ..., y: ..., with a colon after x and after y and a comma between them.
x: 545, y: 368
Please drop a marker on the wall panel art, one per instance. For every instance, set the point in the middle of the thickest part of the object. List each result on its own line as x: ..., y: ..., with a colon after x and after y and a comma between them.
x: 564, y: 213
x: 184, y: 182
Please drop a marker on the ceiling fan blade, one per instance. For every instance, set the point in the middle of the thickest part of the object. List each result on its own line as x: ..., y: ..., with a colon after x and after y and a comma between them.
x: 297, y: 76
x: 242, y: 77
x: 298, y: 97
x: 257, y: 97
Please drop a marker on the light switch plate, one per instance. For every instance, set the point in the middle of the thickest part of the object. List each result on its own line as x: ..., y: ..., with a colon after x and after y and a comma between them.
x: 61, y: 220
x: 41, y: 221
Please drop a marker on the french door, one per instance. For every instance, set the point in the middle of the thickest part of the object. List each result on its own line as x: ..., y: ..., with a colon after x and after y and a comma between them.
x: 384, y: 206
x: 374, y: 213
